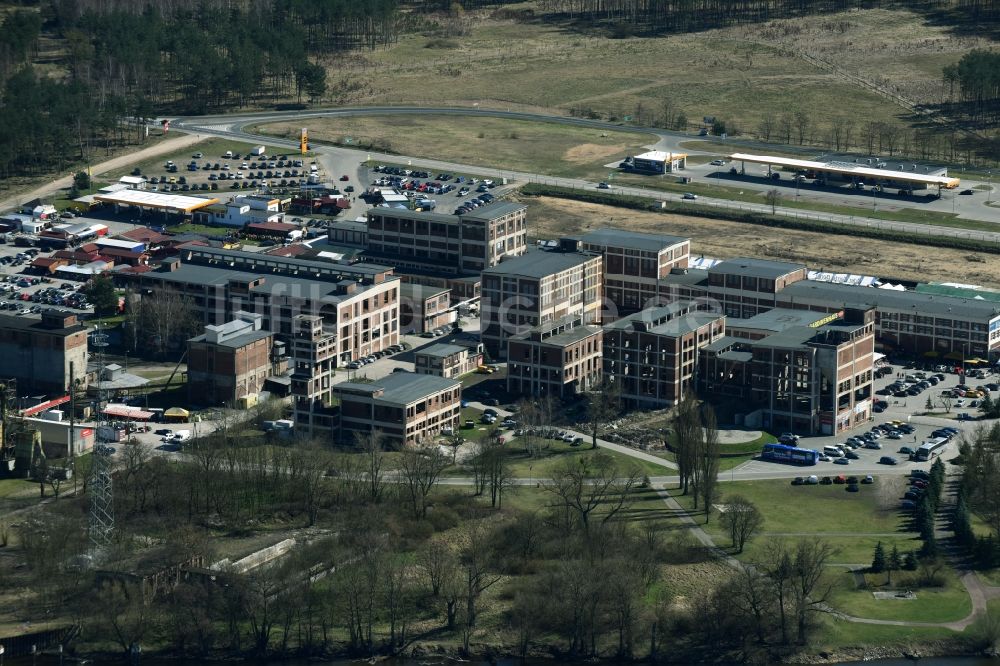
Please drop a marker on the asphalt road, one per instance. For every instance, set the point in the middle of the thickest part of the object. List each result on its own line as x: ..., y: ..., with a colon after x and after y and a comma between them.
x: 346, y: 160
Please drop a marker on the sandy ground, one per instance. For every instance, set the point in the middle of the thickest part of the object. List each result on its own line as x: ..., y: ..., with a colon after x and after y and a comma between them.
x: 170, y: 145
x: 586, y: 153
x: 549, y: 218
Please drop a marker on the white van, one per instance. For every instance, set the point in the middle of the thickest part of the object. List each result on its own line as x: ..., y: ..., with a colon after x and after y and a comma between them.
x: 833, y: 451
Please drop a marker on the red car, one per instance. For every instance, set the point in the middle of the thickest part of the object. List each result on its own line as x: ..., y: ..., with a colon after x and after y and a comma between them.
x: 344, y: 177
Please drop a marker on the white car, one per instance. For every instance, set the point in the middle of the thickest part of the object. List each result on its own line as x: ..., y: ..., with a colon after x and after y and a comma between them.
x: 960, y: 402
x: 689, y: 196
x: 718, y: 162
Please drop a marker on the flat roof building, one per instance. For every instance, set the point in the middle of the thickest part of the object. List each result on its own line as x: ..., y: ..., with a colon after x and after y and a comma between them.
x: 634, y: 265
x: 423, y: 308
x: 358, y: 303
x: 561, y: 361
x: 39, y: 351
x: 448, y: 361
x: 406, y: 407
x: 229, y: 363
x: 537, y: 289
x: 459, y: 244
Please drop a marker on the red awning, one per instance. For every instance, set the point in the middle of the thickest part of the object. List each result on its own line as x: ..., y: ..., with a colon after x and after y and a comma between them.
x: 126, y: 412
x: 38, y: 409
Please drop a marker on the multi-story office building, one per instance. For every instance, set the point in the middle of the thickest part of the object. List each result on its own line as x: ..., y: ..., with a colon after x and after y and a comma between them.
x: 358, y: 304
x: 538, y: 289
x: 908, y: 320
x: 313, y: 360
x: 652, y: 355
x: 447, y: 361
x: 560, y: 361
x: 39, y: 351
x: 459, y: 244
x: 807, y: 379
x: 423, y: 308
x: 634, y: 266
x: 230, y: 362
x: 406, y: 407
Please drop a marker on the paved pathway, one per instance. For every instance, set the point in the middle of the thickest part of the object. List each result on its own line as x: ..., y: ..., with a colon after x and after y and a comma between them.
x: 162, y: 148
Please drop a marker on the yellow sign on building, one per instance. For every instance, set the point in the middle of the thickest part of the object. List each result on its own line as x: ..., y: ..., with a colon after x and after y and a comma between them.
x: 304, y: 141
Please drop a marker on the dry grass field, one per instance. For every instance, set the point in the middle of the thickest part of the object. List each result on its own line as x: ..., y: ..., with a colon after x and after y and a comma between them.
x: 559, y: 150
x: 550, y: 218
x: 740, y: 74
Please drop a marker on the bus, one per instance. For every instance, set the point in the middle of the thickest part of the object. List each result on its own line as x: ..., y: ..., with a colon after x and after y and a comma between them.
x: 932, y: 448
x: 789, y: 454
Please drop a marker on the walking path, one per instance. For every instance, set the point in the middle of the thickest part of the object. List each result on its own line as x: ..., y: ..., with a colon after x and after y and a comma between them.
x: 163, y: 147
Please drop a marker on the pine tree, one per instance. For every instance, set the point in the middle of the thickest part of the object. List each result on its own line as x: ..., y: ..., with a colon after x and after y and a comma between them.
x: 929, y: 549
x: 894, y: 564
x: 910, y: 561
x: 878, y: 560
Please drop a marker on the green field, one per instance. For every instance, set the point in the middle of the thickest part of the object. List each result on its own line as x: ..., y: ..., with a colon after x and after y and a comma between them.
x: 535, y: 147
x: 933, y: 604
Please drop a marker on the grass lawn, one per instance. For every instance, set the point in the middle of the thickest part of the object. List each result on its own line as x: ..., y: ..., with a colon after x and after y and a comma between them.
x: 536, y: 147
x: 204, y: 229
x: 213, y: 150
x: 933, y: 604
x: 833, y: 633
x: 851, y: 522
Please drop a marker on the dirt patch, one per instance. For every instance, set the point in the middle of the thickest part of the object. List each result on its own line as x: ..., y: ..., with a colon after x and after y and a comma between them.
x: 552, y: 218
x: 592, y: 152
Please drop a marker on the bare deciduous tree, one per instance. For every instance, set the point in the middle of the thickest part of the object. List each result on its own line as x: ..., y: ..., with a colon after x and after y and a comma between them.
x: 583, y: 486
x: 741, y: 519
x: 420, y: 470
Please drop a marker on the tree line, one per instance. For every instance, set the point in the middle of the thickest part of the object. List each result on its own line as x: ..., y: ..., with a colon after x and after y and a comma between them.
x: 386, y: 558
x: 977, y: 75
x: 693, y: 15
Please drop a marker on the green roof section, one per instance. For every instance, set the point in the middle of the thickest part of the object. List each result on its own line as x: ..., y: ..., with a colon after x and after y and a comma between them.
x: 939, y: 289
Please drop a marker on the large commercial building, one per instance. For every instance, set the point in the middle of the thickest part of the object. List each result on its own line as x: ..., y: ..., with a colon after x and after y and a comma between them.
x: 229, y: 363
x: 634, y: 266
x: 652, y: 355
x: 358, y: 304
x: 538, y: 289
x: 459, y: 244
x: 39, y: 351
x: 406, y: 407
x: 807, y: 379
x: 560, y: 361
x: 906, y: 321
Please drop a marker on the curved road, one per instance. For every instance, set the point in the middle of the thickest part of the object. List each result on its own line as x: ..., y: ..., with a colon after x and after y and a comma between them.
x: 348, y: 159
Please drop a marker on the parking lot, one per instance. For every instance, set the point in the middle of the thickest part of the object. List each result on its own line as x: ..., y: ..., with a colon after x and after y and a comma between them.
x: 906, y: 409
x: 276, y: 173
x: 455, y: 193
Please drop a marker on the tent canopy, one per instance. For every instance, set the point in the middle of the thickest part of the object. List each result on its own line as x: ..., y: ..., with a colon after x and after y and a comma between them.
x: 177, y: 411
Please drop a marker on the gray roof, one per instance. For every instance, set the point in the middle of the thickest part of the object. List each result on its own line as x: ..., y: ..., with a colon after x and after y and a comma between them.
x: 777, y: 319
x: 34, y: 323
x: 633, y: 240
x: 403, y: 388
x: 407, y: 214
x: 685, y: 324
x: 762, y: 268
x: 572, y: 335
x: 285, y: 285
x: 493, y: 210
x: 207, y: 255
x: 724, y: 343
x: 235, y: 342
x: 791, y: 338
x: 737, y: 356
x: 692, y: 276
x: 420, y: 290
x: 442, y: 350
x: 539, y: 264
x: 651, y: 315
x: 837, y: 295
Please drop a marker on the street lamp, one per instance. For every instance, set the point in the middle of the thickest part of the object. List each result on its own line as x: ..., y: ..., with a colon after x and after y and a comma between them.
x: 874, y: 200
x: 989, y: 185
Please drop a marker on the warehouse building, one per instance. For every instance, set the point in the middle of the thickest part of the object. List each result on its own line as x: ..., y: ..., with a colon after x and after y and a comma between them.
x: 39, y: 351
x: 560, y: 361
